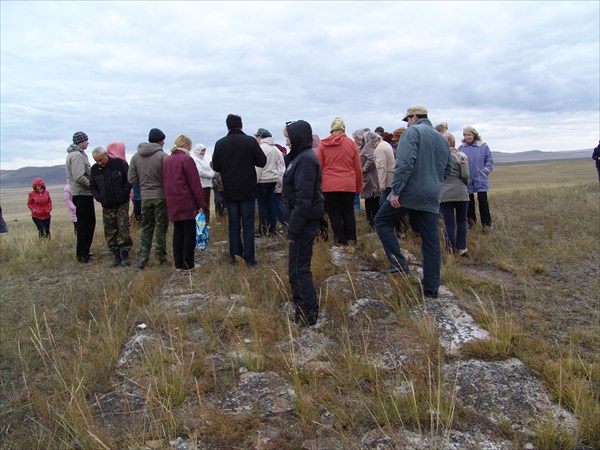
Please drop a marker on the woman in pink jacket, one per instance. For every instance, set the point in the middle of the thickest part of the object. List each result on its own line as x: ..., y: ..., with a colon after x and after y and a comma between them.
x: 68, y: 197
x: 342, y: 179
x: 40, y: 204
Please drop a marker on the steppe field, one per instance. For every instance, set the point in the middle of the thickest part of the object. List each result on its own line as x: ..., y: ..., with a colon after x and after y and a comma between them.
x: 533, y: 283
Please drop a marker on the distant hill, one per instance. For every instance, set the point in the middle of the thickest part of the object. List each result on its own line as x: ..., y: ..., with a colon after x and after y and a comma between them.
x: 55, y: 175
x: 532, y: 156
x: 23, y: 177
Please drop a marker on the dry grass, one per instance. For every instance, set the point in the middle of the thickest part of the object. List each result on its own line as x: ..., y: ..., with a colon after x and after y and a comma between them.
x: 532, y: 283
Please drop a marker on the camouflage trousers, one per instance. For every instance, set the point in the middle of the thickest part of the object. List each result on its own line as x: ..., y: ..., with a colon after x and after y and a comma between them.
x: 154, y: 217
x: 116, y: 228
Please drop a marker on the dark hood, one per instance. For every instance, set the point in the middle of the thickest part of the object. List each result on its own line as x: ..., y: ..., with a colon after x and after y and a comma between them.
x: 300, y: 136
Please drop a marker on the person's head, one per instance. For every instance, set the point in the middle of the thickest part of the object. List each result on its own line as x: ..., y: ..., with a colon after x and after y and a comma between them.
x: 116, y: 150
x: 451, y: 141
x: 81, y: 139
x: 156, y: 136
x: 100, y: 155
x: 372, y: 139
x: 233, y: 122
x: 470, y: 135
x: 199, y: 150
x: 358, y: 136
x: 182, y: 141
x: 415, y: 113
x: 337, y: 126
x: 262, y: 133
x: 442, y: 128
x: 397, y: 133
x: 38, y: 185
x: 316, y: 141
x: 298, y: 134
x: 380, y: 131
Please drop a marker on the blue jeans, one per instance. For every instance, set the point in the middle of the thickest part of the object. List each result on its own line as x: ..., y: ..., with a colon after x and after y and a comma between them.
x: 241, y: 220
x: 455, y: 224
x: 266, y: 208
x: 430, y: 242
x: 279, y: 209
x: 300, y: 275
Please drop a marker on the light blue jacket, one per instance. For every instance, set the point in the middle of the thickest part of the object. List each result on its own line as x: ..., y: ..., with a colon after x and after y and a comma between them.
x: 481, y: 165
x: 423, y: 162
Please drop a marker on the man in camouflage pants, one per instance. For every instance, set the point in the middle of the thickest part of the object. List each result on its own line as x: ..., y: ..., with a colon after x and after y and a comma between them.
x: 110, y: 187
x: 145, y: 174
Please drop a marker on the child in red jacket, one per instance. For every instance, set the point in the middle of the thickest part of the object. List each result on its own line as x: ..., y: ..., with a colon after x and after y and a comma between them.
x: 40, y: 204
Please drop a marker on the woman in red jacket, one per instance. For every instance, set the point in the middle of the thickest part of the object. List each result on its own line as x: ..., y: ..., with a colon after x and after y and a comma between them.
x: 40, y: 204
x: 342, y: 179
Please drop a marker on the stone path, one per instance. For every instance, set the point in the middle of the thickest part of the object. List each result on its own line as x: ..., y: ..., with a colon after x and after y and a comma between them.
x: 504, y: 392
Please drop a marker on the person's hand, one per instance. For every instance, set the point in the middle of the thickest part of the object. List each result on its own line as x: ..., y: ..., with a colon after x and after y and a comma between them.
x: 395, y: 201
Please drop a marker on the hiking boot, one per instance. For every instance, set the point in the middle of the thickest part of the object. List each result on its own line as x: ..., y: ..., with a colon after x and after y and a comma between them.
x: 141, y: 265
x: 117, y: 259
x: 430, y: 294
x: 163, y: 261
x: 125, y: 258
x: 395, y: 270
x: 306, y: 317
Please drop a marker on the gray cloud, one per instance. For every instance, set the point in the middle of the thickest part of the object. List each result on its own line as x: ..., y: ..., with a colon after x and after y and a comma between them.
x: 526, y: 74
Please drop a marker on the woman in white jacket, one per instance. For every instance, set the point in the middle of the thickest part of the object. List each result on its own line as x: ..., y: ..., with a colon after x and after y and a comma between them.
x: 206, y: 175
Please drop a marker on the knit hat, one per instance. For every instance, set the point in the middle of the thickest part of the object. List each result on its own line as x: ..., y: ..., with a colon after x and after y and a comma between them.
x: 79, y: 137
x: 155, y: 136
x: 414, y: 110
x: 263, y: 132
x: 338, y: 125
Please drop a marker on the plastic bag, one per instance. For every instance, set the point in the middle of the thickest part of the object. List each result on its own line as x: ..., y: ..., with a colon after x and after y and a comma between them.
x: 201, y: 232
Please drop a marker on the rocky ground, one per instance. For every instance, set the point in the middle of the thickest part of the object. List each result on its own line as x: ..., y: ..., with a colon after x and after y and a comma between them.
x: 503, y: 395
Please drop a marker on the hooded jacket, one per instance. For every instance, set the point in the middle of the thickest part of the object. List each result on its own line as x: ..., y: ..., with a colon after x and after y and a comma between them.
x: 183, y: 189
x: 39, y: 203
x: 68, y: 197
x: 78, y: 170
x: 423, y: 162
x: 369, y: 168
x: 481, y: 165
x: 301, y: 192
x: 454, y: 188
x: 203, y: 166
x: 235, y: 157
x: 109, y: 183
x: 145, y: 170
x: 269, y: 173
x: 340, y: 163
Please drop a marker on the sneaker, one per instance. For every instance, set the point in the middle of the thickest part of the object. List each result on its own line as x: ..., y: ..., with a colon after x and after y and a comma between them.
x: 462, y: 252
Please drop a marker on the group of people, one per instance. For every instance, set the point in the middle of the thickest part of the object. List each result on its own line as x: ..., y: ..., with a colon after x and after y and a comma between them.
x: 416, y: 171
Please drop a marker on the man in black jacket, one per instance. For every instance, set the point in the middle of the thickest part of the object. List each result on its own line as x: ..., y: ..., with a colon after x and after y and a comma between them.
x: 303, y: 206
x: 111, y: 189
x: 235, y: 157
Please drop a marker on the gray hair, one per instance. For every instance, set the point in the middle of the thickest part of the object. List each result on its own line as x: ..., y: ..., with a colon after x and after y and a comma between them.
x: 98, y: 151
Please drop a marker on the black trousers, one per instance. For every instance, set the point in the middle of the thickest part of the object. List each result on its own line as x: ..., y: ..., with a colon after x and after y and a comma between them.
x: 86, y: 224
x: 299, y: 272
x: 184, y: 243
x: 340, y: 208
x: 484, y: 210
x: 43, y: 226
x: 371, y: 208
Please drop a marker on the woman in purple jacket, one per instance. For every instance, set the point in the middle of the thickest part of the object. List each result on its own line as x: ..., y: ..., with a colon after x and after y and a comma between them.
x: 481, y: 165
x: 184, y: 196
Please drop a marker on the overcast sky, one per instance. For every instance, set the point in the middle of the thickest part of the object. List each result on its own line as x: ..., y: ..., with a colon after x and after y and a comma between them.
x: 525, y: 74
